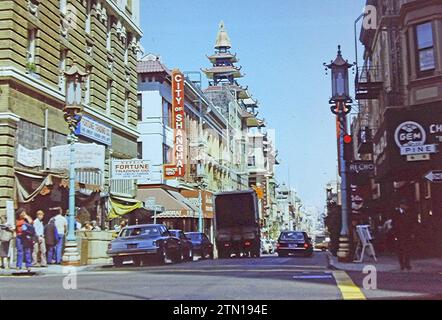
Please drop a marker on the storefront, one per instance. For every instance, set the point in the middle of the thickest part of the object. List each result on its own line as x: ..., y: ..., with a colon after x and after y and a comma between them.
x: 406, y: 154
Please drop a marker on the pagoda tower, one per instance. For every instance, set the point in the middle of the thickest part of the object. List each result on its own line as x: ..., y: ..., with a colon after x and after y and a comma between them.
x: 223, y: 71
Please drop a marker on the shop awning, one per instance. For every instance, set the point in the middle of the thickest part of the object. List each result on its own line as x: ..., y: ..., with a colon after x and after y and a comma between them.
x: 173, y: 202
x: 122, y: 206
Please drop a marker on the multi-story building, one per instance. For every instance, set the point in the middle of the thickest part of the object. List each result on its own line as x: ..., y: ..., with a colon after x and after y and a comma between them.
x: 261, y: 166
x: 206, y: 145
x: 399, y: 88
x: 40, y: 40
x: 231, y: 100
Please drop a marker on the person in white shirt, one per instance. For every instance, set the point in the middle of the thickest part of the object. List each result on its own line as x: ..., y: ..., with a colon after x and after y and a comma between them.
x: 61, y: 224
x: 40, y: 244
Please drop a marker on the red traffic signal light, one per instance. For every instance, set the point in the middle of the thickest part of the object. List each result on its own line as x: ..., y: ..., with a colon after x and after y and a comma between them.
x: 348, y: 139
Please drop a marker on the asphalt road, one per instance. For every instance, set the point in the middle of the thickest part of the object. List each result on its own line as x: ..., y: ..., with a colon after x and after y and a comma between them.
x: 267, y: 278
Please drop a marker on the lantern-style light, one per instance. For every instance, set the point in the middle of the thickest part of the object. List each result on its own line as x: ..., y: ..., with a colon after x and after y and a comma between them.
x: 339, y: 76
x: 74, y: 95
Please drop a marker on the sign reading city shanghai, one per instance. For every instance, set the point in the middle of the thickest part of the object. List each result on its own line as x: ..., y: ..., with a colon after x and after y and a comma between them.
x: 177, y: 168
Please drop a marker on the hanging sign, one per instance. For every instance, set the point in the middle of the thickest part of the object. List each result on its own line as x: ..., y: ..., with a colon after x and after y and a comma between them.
x: 177, y: 168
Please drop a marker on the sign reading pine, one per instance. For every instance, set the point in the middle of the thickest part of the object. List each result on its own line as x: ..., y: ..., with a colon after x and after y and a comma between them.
x: 130, y: 169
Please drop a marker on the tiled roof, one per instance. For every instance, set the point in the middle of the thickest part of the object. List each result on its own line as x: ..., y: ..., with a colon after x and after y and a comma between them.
x: 151, y: 66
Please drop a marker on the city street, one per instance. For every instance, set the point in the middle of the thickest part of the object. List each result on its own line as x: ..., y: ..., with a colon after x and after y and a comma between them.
x: 266, y: 278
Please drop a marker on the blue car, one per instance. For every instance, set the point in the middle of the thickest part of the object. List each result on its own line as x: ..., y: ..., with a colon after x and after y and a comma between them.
x: 201, y: 244
x: 142, y: 243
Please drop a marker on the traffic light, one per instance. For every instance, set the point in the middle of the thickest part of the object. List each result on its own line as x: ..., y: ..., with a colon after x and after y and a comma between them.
x: 348, y: 147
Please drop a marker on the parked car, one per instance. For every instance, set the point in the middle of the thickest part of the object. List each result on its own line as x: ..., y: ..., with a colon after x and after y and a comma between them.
x: 141, y: 243
x: 266, y: 246
x: 201, y: 244
x: 321, y: 243
x: 186, y: 245
x: 293, y: 242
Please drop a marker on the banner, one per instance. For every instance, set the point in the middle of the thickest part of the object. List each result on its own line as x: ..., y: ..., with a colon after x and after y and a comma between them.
x: 29, y: 158
x: 87, y: 156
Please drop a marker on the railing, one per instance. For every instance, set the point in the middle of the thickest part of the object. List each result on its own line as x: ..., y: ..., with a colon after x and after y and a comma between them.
x: 368, y: 82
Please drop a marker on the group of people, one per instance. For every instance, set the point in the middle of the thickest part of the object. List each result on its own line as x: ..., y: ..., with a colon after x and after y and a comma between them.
x: 37, y: 244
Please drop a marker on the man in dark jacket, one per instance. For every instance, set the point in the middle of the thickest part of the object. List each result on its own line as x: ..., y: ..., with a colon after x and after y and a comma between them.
x: 402, y: 224
x: 51, y: 238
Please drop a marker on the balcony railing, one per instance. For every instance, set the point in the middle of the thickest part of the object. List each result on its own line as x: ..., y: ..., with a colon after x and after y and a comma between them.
x: 368, y: 83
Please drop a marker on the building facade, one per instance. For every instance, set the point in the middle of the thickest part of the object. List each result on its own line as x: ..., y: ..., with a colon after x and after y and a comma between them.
x: 40, y: 40
x: 398, y: 128
x: 205, y: 147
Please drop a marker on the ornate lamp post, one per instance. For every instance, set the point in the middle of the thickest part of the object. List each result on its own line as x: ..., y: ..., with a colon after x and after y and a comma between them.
x: 201, y: 184
x: 72, y: 114
x: 340, y: 107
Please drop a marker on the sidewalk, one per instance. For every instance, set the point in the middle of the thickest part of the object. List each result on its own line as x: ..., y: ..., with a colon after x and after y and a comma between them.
x: 387, y: 264
x: 50, y: 270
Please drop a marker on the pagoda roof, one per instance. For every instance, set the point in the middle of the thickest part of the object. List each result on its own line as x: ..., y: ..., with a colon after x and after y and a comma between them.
x: 250, y: 102
x: 223, y: 55
x: 222, y: 39
x: 227, y: 70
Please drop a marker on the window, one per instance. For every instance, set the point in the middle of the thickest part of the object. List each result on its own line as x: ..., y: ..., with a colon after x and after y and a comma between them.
x: 88, y: 17
x: 126, y: 52
x: 87, y: 94
x: 62, y: 67
x: 109, y: 97
x: 109, y: 35
x: 126, y: 108
x: 30, y: 53
x: 140, y: 149
x: 167, y: 154
x: 63, y: 6
x: 140, y: 107
x: 425, y: 47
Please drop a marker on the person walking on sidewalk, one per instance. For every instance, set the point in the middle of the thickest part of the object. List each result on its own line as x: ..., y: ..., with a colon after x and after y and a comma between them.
x: 51, y: 239
x: 61, y: 224
x: 39, y: 252
x: 402, y: 224
x: 6, y: 235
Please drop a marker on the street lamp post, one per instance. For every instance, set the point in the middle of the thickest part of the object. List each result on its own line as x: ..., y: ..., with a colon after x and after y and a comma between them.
x: 72, y: 114
x: 340, y: 107
x: 201, y: 184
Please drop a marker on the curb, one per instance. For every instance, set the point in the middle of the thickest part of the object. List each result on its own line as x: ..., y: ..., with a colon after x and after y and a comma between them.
x: 330, y: 264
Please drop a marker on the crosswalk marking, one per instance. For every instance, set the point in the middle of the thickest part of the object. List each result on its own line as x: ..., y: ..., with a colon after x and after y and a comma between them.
x: 348, y: 289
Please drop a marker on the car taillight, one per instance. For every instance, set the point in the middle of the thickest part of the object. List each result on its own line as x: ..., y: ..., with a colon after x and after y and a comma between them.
x: 247, y: 243
x: 278, y: 245
x: 306, y: 245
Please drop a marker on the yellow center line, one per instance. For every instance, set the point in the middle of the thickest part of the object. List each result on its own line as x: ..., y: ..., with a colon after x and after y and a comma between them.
x: 349, y: 290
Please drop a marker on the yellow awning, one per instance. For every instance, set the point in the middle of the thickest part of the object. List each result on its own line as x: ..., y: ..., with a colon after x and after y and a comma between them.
x: 118, y: 209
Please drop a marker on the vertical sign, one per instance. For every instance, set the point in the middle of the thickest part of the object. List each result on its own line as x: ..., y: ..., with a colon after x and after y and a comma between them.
x: 177, y: 169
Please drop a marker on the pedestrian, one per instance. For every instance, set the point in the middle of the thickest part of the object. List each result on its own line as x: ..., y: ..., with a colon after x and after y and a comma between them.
x: 51, y: 239
x: 23, y: 239
x: 39, y: 252
x: 6, y: 235
x: 61, y: 225
x: 87, y: 226
x: 402, y: 224
x: 95, y: 226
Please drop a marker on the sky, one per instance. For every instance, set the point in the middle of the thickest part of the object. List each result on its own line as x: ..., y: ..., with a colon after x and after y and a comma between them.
x: 281, y: 45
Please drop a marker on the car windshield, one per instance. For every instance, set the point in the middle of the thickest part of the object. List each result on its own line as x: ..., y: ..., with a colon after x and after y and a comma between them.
x: 320, y: 239
x: 194, y: 236
x: 142, y: 231
x: 299, y: 236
